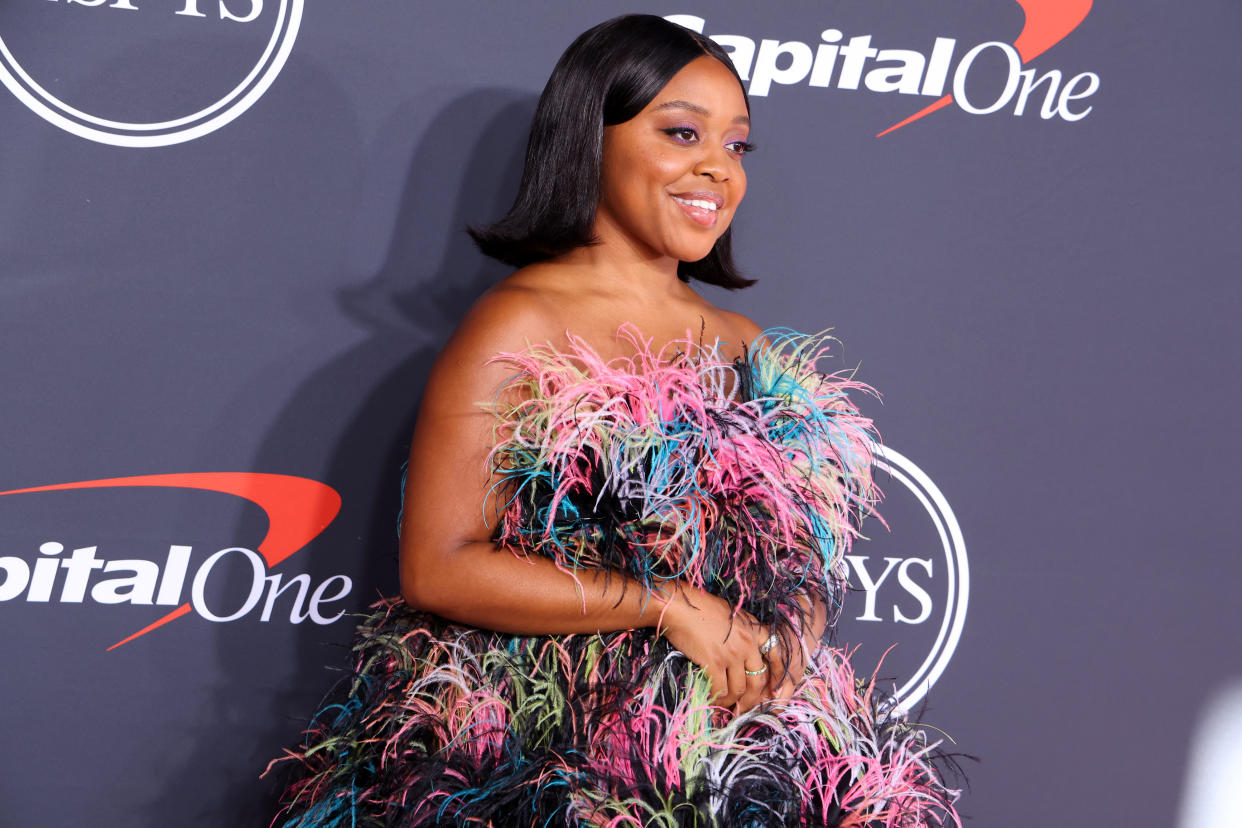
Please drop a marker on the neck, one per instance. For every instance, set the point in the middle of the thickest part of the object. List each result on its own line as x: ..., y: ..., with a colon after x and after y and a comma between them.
x: 621, y: 266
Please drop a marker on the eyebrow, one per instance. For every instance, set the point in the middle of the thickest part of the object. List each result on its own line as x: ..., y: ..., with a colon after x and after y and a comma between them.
x: 698, y: 110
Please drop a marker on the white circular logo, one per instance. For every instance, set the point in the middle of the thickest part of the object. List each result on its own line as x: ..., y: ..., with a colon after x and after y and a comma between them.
x: 910, y: 594
x: 173, y: 130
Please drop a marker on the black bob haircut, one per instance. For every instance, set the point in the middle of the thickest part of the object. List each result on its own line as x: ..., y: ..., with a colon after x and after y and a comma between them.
x: 606, y: 77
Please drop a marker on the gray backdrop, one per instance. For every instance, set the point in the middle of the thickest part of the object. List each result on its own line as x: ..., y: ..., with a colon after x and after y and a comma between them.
x: 231, y: 241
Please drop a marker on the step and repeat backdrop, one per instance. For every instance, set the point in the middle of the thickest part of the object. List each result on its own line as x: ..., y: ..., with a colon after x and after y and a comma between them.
x: 232, y: 242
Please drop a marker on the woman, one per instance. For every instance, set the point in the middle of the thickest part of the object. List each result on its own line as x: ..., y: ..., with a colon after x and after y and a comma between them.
x: 617, y: 572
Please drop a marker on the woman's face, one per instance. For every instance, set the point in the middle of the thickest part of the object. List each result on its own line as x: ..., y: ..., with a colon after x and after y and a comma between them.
x: 672, y: 175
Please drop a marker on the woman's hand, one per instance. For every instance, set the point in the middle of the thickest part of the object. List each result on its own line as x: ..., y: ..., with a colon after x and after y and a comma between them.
x: 723, y: 644
x: 786, y: 677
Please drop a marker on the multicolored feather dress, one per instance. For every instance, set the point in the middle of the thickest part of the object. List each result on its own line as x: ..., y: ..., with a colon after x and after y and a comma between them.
x: 745, y: 478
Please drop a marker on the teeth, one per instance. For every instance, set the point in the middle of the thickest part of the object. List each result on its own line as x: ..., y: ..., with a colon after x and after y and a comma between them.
x: 697, y: 202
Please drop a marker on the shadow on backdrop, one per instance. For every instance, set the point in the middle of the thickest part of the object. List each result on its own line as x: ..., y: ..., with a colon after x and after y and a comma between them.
x: 361, y: 408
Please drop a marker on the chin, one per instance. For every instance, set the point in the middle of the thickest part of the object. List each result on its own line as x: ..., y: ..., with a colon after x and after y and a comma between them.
x: 694, y: 252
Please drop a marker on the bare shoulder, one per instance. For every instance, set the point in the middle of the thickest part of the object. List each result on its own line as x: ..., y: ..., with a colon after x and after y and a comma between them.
x: 505, y: 319
x: 746, y: 328
x: 736, y: 328
x: 517, y: 311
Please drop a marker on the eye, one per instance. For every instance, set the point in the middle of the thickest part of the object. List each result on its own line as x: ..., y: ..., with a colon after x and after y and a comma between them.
x: 682, y: 134
x: 739, y: 147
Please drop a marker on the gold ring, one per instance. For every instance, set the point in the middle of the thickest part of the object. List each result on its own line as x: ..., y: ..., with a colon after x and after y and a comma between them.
x: 756, y: 672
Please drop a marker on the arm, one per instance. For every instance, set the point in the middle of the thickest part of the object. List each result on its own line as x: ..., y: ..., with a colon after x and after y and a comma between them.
x: 449, y: 565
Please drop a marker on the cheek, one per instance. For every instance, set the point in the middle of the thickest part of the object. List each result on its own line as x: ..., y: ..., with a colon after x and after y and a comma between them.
x: 653, y: 169
x: 739, y: 184
x: 617, y: 163
x: 645, y: 177
x: 667, y: 166
x: 737, y: 192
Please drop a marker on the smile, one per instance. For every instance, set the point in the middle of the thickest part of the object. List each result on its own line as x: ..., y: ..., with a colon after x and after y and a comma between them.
x: 702, y: 211
x: 697, y: 202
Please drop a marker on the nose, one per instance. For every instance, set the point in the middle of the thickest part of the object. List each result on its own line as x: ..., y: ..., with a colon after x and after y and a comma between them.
x: 714, y: 163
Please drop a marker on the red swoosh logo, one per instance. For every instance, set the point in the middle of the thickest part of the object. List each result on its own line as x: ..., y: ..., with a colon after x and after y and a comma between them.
x: 297, y: 509
x: 1047, y: 24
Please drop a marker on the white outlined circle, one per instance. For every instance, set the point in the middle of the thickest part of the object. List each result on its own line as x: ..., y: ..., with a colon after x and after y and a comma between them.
x: 164, y: 133
x: 958, y: 593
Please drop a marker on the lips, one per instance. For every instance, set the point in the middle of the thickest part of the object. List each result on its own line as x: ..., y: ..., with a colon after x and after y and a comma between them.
x: 701, y: 207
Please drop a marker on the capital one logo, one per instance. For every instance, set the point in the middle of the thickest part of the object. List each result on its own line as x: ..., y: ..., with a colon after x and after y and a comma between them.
x: 852, y: 62
x: 34, y: 38
x: 297, y: 510
x: 910, y: 585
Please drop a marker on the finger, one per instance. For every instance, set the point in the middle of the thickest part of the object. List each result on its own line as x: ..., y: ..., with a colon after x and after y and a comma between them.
x: 756, y: 686
x: 785, y: 688
x: 719, y: 684
x: 780, y: 701
x: 790, y: 654
x: 737, y: 685
x: 746, y: 666
x: 777, y: 673
x: 757, y: 669
x: 794, y: 671
x: 785, y: 692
